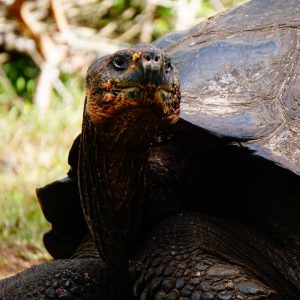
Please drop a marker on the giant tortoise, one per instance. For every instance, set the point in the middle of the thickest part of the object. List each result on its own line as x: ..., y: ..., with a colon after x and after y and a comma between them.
x: 205, y: 206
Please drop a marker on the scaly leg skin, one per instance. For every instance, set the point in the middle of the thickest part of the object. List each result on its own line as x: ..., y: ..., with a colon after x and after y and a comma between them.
x: 173, y: 266
x: 80, y: 278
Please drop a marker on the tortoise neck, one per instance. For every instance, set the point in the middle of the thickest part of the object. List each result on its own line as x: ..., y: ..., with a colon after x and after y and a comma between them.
x: 121, y: 170
x: 111, y: 180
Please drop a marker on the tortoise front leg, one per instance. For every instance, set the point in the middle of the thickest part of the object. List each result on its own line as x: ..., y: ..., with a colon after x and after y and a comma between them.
x: 184, y: 260
x: 79, y: 278
x: 196, y: 275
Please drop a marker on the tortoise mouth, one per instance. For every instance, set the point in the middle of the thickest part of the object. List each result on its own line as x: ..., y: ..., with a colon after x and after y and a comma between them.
x: 109, y: 102
x: 143, y: 95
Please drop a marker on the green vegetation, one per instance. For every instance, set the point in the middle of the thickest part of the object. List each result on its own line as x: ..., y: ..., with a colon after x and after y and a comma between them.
x: 33, y: 152
x: 22, y: 73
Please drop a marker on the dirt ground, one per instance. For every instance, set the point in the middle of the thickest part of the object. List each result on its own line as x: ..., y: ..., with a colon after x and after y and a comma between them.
x: 14, y: 259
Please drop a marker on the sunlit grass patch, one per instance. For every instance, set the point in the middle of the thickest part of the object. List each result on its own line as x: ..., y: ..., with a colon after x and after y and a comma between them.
x: 33, y: 152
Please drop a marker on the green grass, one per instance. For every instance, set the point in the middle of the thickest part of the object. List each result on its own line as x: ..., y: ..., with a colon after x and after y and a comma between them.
x: 33, y: 152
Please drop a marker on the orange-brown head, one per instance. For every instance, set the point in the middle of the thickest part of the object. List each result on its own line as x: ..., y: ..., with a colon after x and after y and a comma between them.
x: 130, y: 82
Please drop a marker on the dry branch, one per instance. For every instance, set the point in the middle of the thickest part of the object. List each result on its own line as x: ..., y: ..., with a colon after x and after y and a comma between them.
x: 64, y: 36
x: 50, y: 43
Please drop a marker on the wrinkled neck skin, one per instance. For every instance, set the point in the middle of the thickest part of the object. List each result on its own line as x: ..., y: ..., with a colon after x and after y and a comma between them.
x: 111, y: 169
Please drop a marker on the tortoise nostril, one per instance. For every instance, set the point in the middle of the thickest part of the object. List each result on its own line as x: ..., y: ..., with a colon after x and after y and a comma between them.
x: 152, y: 58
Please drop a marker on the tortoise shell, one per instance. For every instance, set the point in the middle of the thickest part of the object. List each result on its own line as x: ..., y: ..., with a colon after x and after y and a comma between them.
x: 240, y: 77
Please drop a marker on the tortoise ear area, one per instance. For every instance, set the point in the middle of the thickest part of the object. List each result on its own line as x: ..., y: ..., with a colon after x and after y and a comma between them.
x: 96, y: 69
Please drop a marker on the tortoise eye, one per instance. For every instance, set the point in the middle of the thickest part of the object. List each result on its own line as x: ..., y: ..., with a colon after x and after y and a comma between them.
x: 120, y: 63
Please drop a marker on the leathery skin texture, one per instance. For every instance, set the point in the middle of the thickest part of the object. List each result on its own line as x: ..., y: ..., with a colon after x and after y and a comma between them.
x: 189, y: 256
x: 78, y: 279
x: 172, y: 266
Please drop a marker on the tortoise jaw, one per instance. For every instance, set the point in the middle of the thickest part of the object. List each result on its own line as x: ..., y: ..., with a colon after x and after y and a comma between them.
x: 164, y: 101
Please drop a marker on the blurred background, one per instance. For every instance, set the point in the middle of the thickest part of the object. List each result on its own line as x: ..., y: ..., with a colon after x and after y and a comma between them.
x: 45, y: 48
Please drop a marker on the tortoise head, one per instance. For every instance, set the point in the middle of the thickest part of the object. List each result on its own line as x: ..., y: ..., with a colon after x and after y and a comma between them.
x: 133, y: 88
x: 129, y: 95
